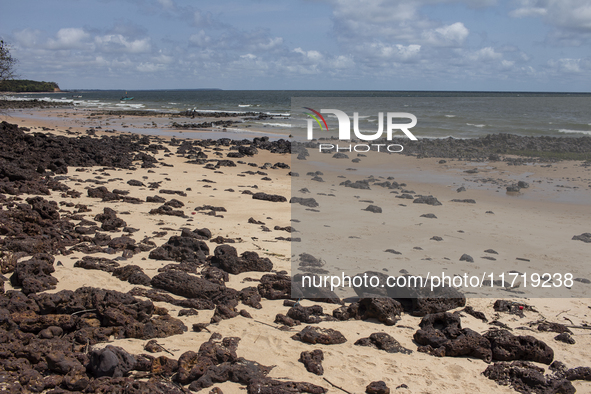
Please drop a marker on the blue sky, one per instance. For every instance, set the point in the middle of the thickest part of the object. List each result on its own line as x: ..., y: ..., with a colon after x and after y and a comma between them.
x: 515, y: 45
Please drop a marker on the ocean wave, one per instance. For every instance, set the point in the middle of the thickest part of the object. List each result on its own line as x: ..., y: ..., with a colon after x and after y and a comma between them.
x: 450, y: 116
x: 567, y: 131
x: 275, y: 124
x: 476, y: 125
x: 135, y: 106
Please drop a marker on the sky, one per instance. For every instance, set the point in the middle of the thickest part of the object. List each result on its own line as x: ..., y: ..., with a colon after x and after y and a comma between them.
x: 469, y: 45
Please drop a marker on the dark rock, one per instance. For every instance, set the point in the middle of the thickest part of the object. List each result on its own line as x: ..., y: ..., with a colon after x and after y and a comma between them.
x: 185, y: 285
x: 429, y: 200
x: 378, y: 387
x: 467, y: 257
x: 383, y: 341
x: 479, y: 315
x: 465, y: 200
x: 269, y: 197
x: 429, y: 216
x: 226, y: 257
x: 579, y: 373
x: 307, y: 260
x: 441, y: 334
x: 306, y: 314
x: 553, y: 327
x: 307, y: 202
x: 97, y: 263
x: 250, y: 296
x: 374, y: 209
x: 313, y: 361
x: 185, y: 249
x: 585, y: 237
x: 111, y: 361
x: 275, y: 286
x: 507, y: 347
x: 566, y: 338
x: 132, y: 274
x: 286, y: 321
x: 157, y: 199
x: 34, y: 275
x: 325, y: 336
x: 526, y: 377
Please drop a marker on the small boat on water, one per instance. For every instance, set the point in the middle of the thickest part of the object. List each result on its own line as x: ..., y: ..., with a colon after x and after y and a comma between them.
x: 126, y: 98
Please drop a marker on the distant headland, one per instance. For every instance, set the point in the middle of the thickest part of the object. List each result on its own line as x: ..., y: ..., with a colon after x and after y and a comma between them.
x: 26, y: 85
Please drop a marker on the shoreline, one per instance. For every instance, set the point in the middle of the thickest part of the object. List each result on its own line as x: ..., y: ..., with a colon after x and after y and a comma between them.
x: 536, y: 224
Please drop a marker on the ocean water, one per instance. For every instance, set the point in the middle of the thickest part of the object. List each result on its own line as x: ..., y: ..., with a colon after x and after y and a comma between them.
x: 439, y: 114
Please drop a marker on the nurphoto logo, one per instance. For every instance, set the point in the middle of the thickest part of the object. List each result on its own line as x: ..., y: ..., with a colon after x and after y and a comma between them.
x: 345, y: 129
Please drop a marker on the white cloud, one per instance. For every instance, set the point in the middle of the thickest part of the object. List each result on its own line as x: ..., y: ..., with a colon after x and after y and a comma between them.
x: 451, y: 35
x: 119, y: 43
x: 528, y: 11
x: 485, y: 54
x: 69, y: 38
x: 571, y: 19
x: 200, y: 39
x: 572, y: 66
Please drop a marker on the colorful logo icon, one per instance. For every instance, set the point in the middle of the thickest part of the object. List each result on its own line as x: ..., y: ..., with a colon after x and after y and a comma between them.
x: 316, y: 119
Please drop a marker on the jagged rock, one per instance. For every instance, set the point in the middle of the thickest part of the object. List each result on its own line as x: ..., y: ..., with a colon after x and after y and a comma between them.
x: 132, y: 274
x: 307, y: 202
x: 269, y: 197
x: 378, y: 387
x: 383, y: 341
x: 250, y: 296
x: 566, y: 338
x: 34, y: 275
x: 527, y: 378
x: 325, y: 336
x: 479, y: 315
x: 275, y: 286
x: 306, y: 314
x: 111, y: 361
x: 313, y: 361
x: 185, y: 285
x: 507, y: 347
x: 585, y: 237
x: 415, y: 299
x: 227, y: 258
x: 441, y: 334
x: 156, y: 199
x: 429, y: 200
x: 307, y: 260
x: 467, y: 257
x: 185, y: 249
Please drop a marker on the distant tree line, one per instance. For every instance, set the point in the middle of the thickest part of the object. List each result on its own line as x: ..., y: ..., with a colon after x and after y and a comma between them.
x: 26, y: 85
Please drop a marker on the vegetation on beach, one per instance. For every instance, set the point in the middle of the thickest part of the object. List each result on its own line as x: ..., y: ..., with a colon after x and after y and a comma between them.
x: 26, y: 85
x: 584, y: 156
x: 7, y: 62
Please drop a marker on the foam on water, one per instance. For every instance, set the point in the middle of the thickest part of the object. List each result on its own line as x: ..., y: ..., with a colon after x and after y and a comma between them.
x: 567, y: 131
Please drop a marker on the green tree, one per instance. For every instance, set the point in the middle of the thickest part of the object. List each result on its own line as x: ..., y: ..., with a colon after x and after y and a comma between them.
x: 7, y: 62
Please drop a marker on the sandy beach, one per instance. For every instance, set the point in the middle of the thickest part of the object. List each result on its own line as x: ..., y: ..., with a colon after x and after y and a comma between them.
x: 529, y: 230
